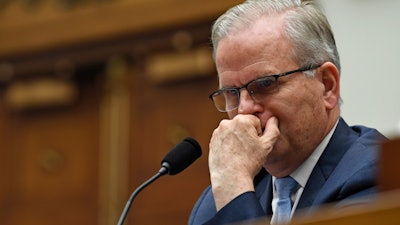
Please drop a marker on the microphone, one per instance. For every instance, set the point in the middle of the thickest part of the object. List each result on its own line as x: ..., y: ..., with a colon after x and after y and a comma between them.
x: 176, y: 160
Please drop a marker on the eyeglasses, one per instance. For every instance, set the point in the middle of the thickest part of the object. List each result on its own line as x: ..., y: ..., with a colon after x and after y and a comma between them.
x: 228, y: 99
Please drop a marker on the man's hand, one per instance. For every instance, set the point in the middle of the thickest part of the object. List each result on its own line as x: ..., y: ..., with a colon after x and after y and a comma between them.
x: 238, y: 150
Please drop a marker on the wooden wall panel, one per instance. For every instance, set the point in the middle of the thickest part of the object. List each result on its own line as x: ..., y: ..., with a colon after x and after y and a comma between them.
x: 47, y: 26
x: 165, y: 114
x: 68, y: 165
x: 51, y: 165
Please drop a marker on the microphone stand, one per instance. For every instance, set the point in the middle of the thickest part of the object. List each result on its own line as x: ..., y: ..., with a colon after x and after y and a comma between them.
x: 124, y: 213
x: 176, y: 160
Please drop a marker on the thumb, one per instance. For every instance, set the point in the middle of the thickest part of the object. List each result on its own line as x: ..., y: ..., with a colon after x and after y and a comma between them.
x: 271, y: 131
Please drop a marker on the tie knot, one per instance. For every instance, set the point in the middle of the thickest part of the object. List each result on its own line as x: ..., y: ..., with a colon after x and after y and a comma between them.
x: 285, y: 186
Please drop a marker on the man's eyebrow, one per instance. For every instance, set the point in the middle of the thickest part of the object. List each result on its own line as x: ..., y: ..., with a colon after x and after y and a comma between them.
x: 227, y: 87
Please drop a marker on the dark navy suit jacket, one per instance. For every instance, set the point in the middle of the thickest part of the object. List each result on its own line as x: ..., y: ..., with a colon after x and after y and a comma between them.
x: 346, y: 170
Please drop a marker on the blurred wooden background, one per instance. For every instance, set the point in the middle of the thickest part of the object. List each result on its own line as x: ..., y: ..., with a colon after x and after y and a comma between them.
x: 93, y: 93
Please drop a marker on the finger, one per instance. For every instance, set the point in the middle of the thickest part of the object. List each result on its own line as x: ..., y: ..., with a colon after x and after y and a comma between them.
x: 271, y: 131
x: 253, y: 121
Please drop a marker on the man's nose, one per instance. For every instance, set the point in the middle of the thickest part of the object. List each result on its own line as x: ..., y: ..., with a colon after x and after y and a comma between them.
x: 247, y: 105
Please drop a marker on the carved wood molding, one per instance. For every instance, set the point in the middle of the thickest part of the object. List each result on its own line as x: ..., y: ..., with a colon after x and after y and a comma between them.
x: 114, y: 155
x: 47, y: 27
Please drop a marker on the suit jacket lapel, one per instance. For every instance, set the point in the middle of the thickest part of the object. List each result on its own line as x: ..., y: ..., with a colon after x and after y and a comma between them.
x: 342, y: 139
x: 263, y: 186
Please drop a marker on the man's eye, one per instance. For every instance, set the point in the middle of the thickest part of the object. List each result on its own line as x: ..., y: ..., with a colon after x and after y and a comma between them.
x: 265, y: 83
x: 262, y: 86
x: 231, y: 92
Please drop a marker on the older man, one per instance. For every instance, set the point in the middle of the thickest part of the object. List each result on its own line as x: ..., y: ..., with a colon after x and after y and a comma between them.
x: 279, y: 72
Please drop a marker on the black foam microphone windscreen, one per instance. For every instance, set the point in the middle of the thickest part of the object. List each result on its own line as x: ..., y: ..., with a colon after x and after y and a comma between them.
x: 181, y: 156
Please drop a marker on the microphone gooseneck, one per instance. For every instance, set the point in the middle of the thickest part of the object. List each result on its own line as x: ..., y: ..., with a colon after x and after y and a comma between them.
x: 135, y: 193
x: 176, y: 160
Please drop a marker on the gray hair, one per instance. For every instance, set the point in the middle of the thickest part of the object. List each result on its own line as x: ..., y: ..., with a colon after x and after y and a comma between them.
x: 306, y: 27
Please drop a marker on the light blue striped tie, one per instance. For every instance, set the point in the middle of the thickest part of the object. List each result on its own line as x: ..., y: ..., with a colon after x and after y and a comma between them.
x: 284, y: 187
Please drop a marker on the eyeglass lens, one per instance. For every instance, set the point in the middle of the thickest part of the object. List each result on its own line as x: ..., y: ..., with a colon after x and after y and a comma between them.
x: 228, y: 99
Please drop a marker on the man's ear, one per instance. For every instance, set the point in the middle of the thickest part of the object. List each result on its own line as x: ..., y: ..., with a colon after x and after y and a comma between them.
x: 331, y: 80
